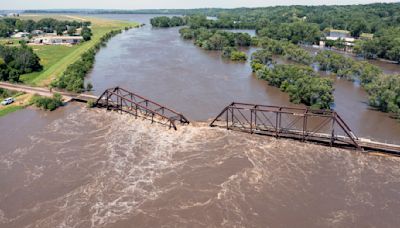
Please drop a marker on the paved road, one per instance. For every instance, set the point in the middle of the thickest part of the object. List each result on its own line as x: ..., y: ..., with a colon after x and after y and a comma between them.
x: 46, y: 92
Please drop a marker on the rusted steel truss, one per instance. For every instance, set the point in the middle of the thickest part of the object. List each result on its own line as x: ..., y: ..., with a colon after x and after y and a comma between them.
x: 323, y: 126
x: 122, y: 100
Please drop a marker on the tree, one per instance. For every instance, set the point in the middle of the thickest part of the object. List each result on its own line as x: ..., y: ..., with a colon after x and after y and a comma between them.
x: 60, y: 29
x: 238, y: 56
x: 216, y: 42
x: 71, y: 30
x: 242, y: 39
x: 19, y: 25
x: 162, y: 22
x: 262, y: 56
x: 86, y: 33
x: 16, y: 61
x: 89, y: 87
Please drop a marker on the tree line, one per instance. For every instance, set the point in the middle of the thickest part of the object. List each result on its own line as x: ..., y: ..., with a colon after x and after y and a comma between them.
x: 383, y: 90
x: 385, y: 44
x: 165, y: 22
x: 301, y: 82
x: 49, y: 25
x: 214, y: 39
x: 15, y: 61
x: 73, y: 77
x: 307, y: 24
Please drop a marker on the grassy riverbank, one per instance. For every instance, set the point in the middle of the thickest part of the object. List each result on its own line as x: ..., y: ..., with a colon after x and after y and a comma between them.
x: 21, y: 101
x: 56, y: 59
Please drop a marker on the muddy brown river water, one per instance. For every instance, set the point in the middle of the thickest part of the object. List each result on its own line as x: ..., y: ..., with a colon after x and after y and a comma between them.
x: 158, y: 64
x: 79, y: 167
x: 91, y: 168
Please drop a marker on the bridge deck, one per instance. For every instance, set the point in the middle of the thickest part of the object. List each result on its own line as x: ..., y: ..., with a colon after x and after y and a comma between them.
x: 67, y: 96
x: 320, y: 126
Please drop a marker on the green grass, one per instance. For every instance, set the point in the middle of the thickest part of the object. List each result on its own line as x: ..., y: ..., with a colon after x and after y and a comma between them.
x: 49, y: 56
x: 9, y: 110
x: 5, y: 41
x: 56, y: 59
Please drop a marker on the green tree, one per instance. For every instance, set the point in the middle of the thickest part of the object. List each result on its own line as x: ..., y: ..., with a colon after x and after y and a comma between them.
x: 71, y: 30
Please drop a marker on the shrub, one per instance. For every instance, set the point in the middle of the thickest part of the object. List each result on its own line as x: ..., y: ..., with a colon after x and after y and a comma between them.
x: 89, y: 87
x: 90, y: 104
x: 238, y: 56
x: 301, y: 83
x: 47, y: 103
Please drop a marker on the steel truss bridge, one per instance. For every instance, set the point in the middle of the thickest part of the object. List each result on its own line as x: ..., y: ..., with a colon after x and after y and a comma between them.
x: 320, y: 126
x: 122, y: 100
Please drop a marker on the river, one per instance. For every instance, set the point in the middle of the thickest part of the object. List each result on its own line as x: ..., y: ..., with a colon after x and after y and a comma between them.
x: 79, y: 167
x: 160, y: 65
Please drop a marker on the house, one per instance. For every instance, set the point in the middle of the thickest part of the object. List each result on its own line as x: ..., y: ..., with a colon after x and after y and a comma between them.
x: 366, y: 36
x: 20, y: 35
x: 335, y: 35
x: 343, y: 35
x: 13, y: 15
x: 58, y: 40
x: 78, y: 32
x: 37, y: 32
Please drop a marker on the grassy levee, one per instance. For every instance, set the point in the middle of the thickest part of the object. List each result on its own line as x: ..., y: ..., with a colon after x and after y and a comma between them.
x: 56, y: 59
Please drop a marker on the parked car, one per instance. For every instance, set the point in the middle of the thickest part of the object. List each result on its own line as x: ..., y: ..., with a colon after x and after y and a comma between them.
x: 7, y: 101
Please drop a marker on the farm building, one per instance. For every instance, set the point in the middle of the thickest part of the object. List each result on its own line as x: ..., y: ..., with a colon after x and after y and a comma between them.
x: 20, y: 35
x: 58, y: 40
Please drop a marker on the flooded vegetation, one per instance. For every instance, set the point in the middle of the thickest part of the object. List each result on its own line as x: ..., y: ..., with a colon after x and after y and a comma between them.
x: 158, y: 64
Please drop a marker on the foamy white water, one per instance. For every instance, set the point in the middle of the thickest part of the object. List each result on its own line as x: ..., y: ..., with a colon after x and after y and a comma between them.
x: 92, y: 168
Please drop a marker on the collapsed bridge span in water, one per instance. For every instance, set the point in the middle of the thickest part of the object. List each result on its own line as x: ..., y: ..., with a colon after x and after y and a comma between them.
x: 321, y: 126
x: 120, y: 99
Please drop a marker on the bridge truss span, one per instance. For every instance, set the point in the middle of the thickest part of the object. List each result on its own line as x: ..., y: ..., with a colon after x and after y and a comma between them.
x: 122, y: 100
x: 323, y: 126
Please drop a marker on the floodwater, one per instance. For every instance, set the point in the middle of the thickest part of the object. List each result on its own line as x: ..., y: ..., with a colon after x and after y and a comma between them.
x: 84, y: 168
x: 91, y: 168
x: 158, y: 64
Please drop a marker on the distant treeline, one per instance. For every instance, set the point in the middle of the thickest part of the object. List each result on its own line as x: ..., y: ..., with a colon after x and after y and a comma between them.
x: 308, y: 24
x: 49, y: 25
x: 355, y: 18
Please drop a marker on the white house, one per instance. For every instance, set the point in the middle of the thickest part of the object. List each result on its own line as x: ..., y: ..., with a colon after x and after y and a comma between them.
x: 58, y: 40
x: 20, y: 35
x: 37, y: 32
x: 335, y: 35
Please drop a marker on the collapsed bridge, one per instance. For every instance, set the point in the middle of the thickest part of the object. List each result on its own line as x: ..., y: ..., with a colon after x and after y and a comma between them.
x: 119, y: 99
x: 319, y: 126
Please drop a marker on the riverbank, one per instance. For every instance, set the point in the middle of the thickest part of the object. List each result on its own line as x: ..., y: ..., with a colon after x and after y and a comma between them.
x: 21, y: 101
x: 56, y: 59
